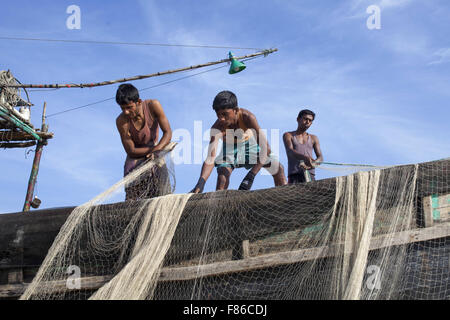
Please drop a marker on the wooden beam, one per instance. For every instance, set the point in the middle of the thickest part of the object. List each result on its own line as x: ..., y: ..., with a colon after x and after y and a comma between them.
x: 9, y: 145
x: 427, y: 211
x: 436, y: 209
x: 15, y: 274
x: 87, y: 283
x: 21, y: 136
x: 6, y: 125
x: 295, y: 256
x: 33, y: 175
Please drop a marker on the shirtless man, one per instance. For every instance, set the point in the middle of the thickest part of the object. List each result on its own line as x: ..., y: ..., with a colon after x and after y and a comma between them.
x: 244, y: 145
x: 138, y: 125
x: 299, y: 146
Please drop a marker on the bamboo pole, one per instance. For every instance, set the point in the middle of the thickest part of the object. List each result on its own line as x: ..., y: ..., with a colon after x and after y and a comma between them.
x: 35, y: 167
x: 104, y: 83
x: 33, y: 176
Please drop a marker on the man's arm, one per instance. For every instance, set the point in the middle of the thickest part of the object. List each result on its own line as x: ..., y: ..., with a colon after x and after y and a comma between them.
x: 317, y: 151
x: 309, y: 162
x: 158, y: 113
x: 287, y: 139
x: 128, y: 144
x: 208, y: 165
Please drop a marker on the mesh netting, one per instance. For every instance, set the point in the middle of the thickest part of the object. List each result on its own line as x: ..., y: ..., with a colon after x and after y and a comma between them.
x: 8, y: 95
x: 377, y: 234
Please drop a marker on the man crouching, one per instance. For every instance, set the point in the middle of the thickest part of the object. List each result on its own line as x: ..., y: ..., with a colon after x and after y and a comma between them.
x: 244, y: 145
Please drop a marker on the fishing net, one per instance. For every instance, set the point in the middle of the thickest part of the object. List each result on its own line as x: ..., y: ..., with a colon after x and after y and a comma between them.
x: 373, y: 234
x: 8, y: 95
x: 9, y: 99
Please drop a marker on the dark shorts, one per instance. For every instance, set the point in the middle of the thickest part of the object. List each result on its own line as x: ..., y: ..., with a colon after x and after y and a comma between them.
x: 241, y: 154
x: 301, y: 177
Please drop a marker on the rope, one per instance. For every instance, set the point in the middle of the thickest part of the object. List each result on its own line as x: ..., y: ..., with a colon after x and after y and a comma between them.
x: 10, y: 95
x: 104, y: 83
x: 349, y: 164
x: 362, y: 166
x: 128, y: 43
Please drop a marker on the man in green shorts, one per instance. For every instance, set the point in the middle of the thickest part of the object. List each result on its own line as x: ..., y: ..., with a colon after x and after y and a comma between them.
x: 244, y: 145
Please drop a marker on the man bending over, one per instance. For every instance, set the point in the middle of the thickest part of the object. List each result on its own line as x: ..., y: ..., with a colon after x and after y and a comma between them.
x: 244, y: 145
x: 138, y: 125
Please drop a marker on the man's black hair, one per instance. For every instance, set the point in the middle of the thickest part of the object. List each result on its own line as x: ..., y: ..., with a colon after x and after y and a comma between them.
x: 225, y: 100
x: 306, y: 111
x: 126, y: 93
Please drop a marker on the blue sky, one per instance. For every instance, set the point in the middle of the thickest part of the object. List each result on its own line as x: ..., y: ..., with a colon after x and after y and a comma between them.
x: 381, y: 96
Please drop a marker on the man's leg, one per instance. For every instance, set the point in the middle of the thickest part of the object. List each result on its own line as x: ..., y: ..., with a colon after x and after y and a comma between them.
x: 223, y: 177
x: 279, y: 178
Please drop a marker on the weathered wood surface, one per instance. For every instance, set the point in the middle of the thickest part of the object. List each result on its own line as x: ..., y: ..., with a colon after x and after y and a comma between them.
x: 6, y: 124
x: 8, y: 145
x: 22, y: 136
x: 87, y: 283
x: 26, y: 238
x: 436, y: 209
x: 249, y: 263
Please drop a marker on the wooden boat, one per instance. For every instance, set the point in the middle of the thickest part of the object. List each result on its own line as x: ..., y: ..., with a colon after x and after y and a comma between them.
x: 243, y: 241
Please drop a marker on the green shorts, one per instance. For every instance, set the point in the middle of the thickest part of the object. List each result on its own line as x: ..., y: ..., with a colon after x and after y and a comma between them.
x: 241, y: 154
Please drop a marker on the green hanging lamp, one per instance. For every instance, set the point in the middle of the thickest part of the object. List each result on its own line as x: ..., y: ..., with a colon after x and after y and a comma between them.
x: 236, y: 65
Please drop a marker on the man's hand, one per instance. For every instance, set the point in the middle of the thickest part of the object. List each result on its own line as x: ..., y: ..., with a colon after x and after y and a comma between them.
x: 199, y: 186
x: 308, y: 164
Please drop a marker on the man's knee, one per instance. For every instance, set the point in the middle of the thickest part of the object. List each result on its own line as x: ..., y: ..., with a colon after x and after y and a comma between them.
x: 224, y: 171
x: 223, y: 177
x: 275, y: 168
x: 280, y: 169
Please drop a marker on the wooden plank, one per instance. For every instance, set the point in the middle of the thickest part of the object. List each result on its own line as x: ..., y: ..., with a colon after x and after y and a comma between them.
x: 427, y: 211
x: 436, y: 209
x: 246, y: 249
x: 6, y: 124
x: 289, y: 257
x: 15, y: 274
x: 39, y: 231
x: 87, y: 283
x: 441, y: 207
x: 9, y: 145
x: 252, y: 263
x: 22, y: 136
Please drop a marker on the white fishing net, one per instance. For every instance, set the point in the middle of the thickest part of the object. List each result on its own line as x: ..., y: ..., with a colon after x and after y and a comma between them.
x: 8, y: 95
x: 361, y: 236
